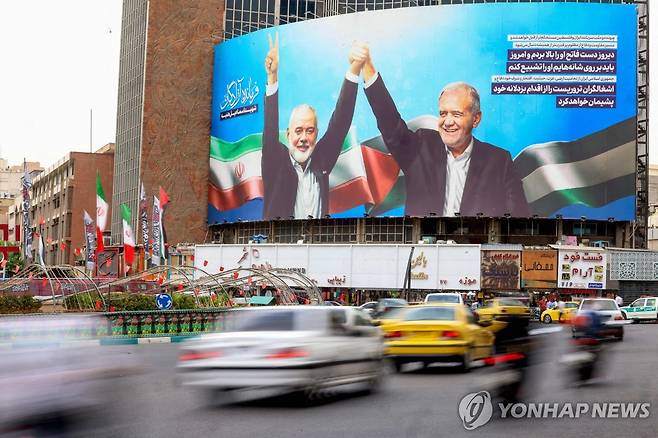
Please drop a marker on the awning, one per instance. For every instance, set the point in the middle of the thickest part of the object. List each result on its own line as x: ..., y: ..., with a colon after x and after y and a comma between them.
x: 261, y: 301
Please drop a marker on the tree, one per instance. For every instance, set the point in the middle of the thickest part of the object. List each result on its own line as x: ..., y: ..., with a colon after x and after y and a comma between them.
x: 15, y: 259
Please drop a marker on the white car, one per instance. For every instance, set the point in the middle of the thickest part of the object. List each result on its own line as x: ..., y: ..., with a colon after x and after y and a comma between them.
x: 444, y: 297
x: 275, y: 350
x: 370, y: 307
x: 609, y: 312
x: 641, y: 309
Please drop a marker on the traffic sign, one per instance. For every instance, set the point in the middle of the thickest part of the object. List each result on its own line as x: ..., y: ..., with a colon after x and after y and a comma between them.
x: 163, y: 301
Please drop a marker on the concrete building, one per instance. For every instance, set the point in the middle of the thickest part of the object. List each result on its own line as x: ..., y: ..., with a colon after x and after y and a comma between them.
x: 60, y: 195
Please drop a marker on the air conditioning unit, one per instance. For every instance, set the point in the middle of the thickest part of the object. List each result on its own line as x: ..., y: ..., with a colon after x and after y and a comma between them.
x: 601, y: 243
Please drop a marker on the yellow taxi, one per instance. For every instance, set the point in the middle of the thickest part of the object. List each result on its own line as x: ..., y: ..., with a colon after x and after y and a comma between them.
x: 437, y: 333
x: 553, y: 315
x: 391, y: 316
x: 498, y: 310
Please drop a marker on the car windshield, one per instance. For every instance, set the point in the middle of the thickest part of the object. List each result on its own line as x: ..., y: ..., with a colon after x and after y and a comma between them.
x: 393, y: 313
x: 571, y: 305
x: 430, y: 313
x: 393, y: 302
x: 443, y: 299
x: 274, y: 321
x: 511, y: 302
x: 599, y: 305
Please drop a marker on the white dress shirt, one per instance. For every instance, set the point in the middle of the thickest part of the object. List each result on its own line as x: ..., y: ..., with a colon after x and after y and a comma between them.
x: 456, y: 172
x: 307, y: 202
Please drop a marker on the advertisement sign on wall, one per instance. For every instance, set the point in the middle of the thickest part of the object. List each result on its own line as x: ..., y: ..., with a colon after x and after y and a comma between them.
x: 433, y: 267
x: 500, y: 269
x: 539, y: 269
x: 550, y: 102
x: 583, y: 268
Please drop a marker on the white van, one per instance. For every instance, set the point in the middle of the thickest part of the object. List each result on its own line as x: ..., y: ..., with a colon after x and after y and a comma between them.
x: 444, y: 297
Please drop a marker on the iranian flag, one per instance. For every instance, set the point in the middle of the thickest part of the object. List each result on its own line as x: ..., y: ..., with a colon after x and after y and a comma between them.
x: 128, y: 236
x: 102, y: 209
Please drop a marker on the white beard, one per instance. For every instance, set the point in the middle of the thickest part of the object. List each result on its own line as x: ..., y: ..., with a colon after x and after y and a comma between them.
x: 299, y: 156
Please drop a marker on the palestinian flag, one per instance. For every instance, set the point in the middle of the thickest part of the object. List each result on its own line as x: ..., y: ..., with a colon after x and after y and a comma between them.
x: 102, y: 209
x: 128, y: 236
x: 593, y: 171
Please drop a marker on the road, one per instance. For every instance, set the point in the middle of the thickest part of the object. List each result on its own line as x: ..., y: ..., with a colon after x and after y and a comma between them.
x: 417, y: 403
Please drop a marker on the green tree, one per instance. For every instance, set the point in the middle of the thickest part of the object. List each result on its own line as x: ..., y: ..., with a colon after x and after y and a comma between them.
x: 15, y: 259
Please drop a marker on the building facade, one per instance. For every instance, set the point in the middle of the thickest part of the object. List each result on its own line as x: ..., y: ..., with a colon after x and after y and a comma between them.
x: 60, y: 195
x: 164, y: 116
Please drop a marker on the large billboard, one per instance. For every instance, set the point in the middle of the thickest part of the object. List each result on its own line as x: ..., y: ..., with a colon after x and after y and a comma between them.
x: 539, y: 269
x: 582, y: 268
x: 433, y: 267
x: 536, y: 115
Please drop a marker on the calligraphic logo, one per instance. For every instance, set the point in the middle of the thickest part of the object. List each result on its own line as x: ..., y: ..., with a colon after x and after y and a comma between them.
x: 240, y: 92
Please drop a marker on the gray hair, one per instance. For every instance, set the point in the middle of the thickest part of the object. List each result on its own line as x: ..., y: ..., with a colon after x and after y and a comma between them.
x: 475, y: 96
x: 303, y: 107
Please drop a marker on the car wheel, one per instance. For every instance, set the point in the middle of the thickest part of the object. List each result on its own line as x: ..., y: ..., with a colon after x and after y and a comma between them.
x: 547, y: 319
x: 397, y: 365
x: 623, y: 314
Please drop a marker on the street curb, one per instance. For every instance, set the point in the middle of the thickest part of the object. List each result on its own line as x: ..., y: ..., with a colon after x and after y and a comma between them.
x: 97, y: 342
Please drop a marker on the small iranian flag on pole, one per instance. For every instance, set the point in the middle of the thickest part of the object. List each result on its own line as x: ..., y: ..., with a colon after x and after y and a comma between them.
x: 128, y: 237
x: 102, y: 208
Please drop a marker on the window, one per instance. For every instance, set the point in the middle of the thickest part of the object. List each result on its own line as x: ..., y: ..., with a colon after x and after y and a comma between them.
x: 651, y: 302
x: 430, y: 313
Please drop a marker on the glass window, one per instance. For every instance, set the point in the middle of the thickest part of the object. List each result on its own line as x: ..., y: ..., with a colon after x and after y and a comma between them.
x: 443, y: 298
x: 511, y: 302
x: 638, y: 303
x: 430, y: 314
x: 651, y: 302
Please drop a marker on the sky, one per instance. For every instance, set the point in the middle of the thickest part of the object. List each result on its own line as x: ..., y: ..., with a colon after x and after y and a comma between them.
x: 60, y: 61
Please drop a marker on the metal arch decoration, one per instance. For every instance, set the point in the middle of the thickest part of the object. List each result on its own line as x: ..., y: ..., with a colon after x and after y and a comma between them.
x: 60, y: 278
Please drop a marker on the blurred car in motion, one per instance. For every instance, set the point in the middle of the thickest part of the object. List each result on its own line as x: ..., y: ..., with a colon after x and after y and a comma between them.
x: 386, y: 304
x: 437, y: 333
x: 642, y: 309
x: 609, y: 314
x: 332, y: 303
x: 444, y: 297
x: 370, y: 307
x: 553, y: 315
x: 392, y: 316
x: 275, y: 350
x: 499, y: 310
x: 54, y: 375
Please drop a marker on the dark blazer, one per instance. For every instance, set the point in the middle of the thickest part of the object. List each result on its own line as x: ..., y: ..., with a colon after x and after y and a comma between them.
x: 279, y: 175
x: 492, y: 186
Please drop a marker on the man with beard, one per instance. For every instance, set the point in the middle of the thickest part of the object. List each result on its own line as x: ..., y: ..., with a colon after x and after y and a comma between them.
x: 448, y: 171
x: 296, y: 176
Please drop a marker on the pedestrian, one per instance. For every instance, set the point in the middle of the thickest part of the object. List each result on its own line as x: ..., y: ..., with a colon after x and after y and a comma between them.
x: 619, y: 300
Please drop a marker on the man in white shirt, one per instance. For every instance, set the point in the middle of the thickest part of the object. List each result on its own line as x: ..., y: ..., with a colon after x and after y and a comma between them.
x: 296, y: 175
x: 446, y: 169
x: 619, y: 300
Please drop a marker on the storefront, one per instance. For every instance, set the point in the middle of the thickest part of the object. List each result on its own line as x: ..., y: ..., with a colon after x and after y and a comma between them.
x: 582, y: 271
x: 501, y: 271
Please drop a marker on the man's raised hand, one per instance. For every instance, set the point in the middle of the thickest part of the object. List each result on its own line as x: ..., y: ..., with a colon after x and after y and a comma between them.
x: 359, y: 54
x: 272, y: 59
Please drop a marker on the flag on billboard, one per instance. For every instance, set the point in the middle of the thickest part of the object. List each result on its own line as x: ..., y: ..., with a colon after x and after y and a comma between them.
x: 594, y: 170
x: 235, y: 174
x: 102, y: 208
x: 90, y: 240
x: 27, y: 228
x: 164, y: 200
x: 128, y: 237
x: 155, y: 232
x: 144, y: 220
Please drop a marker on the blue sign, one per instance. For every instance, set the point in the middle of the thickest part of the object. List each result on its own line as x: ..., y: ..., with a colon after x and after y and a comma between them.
x: 554, y: 133
x: 163, y: 301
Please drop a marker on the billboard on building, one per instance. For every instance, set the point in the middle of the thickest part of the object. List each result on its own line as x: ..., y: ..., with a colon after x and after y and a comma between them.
x: 555, y: 132
x: 501, y: 270
x: 583, y: 268
x: 539, y: 269
x: 433, y: 267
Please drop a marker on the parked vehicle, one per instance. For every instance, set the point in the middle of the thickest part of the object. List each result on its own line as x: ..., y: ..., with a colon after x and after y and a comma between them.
x: 642, y: 309
x: 444, y: 297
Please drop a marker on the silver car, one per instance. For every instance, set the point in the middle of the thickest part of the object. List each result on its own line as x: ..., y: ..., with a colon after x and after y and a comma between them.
x: 274, y: 350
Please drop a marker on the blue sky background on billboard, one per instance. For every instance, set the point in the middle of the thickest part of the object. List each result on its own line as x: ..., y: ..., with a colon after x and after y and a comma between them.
x: 61, y: 59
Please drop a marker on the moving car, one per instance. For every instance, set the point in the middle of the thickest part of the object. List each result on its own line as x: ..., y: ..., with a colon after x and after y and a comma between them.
x: 498, y: 310
x: 275, y: 350
x: 444, y: 297
x: 641, y: 309
x: 437, y: 333
x: 609, y: 313
x: 369, y: 307
x: 392, y: 316
x: 385, y: 304
x: 553, y: 315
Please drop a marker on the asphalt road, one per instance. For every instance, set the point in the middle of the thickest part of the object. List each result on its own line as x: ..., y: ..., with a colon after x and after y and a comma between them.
x: 417, y: 403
